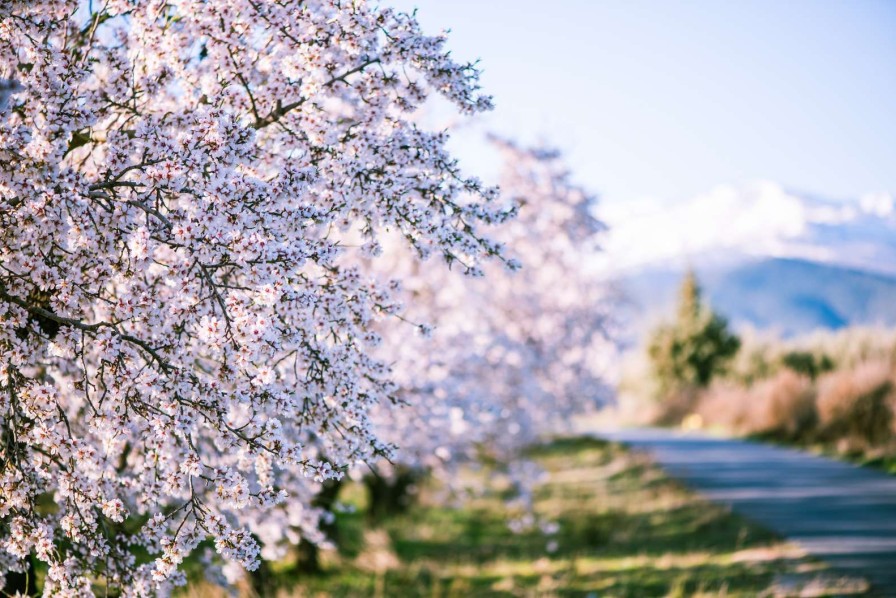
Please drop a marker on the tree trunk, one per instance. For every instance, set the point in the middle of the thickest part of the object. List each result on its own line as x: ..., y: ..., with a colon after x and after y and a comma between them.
x: 309, y: 553
x: 22, y: 583
x: 308, y: 557
x: 388, y: 497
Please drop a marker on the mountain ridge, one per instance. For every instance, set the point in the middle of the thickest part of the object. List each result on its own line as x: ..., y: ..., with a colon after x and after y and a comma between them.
x: 768, y: 257
x: 790, y: 296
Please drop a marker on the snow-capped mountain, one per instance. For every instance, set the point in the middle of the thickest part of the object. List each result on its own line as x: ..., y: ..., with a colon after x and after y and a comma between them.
x: 767, y: 257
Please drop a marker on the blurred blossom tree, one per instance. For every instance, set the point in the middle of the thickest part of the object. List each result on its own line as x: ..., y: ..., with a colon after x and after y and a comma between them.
x: 513, y: 356
x: 190, y: 194
x: 687, y: 353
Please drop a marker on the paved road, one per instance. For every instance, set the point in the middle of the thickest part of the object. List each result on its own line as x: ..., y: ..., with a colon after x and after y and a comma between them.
x: 843, y: 514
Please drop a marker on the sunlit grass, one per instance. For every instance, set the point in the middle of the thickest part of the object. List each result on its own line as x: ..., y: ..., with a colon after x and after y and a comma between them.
x: 625, y: 530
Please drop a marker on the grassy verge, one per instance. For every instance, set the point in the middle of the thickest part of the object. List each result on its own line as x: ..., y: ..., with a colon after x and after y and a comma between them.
x: 625, y: 529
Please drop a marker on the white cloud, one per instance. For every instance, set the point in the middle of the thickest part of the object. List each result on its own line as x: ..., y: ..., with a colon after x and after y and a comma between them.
x: 882, y: 205
x: 759, y: 219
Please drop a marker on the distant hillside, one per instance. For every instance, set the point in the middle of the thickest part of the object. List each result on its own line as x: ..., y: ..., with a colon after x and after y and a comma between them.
x: 790, y: 296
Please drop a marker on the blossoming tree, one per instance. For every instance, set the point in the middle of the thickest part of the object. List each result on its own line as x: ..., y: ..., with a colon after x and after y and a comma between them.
x: 186, y: 338
x: 513, y: 356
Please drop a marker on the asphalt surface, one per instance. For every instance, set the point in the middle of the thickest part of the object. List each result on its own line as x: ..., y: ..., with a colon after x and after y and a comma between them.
x: 843, y: 514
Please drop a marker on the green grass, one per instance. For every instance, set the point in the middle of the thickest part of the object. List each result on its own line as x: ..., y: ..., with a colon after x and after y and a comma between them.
x: 625, y: 530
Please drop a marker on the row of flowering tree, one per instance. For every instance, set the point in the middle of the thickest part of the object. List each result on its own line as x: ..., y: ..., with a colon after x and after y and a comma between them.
x: 513, y: 356
x: 219, y: 223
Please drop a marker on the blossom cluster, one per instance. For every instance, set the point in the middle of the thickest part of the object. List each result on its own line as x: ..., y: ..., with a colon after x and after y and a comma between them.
x: 191, y: 194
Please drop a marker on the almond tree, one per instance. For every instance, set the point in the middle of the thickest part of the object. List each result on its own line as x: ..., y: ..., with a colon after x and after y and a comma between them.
x: 187, y: 340
x: 512, y: 357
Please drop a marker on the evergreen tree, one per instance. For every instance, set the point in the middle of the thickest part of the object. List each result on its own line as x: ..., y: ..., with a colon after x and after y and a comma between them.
x: 694, y: 348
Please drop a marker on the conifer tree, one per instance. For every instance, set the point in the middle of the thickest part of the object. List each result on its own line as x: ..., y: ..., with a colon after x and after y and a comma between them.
x: 688, y: 352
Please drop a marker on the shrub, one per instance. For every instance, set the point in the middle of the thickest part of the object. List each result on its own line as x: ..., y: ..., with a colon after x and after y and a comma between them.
x: 797, y: 395
x: 807, y: 363
x: 725, y: 404
x: 855, y: 405
x: 677, y: 403
x: 782, y: 406
x: 785, y: 406
x: 754, y: 362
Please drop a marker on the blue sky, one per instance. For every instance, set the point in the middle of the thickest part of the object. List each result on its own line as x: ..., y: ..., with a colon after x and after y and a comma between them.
x: 669, y: 99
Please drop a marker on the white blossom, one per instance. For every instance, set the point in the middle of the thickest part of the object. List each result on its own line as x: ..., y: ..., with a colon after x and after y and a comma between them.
x: 191, y: 196
x: 511, y: 358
